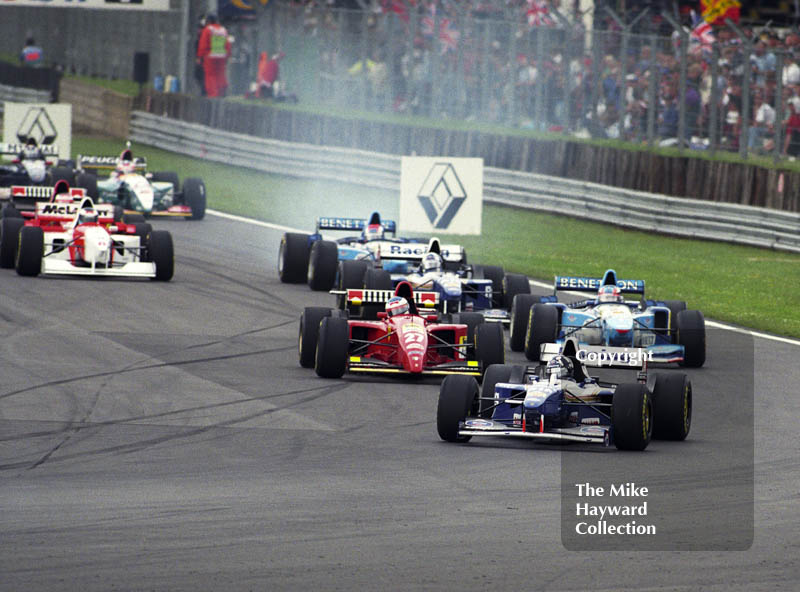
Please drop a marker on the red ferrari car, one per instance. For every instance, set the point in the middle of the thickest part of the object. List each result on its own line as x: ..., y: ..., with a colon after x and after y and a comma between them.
x: 402, y: 340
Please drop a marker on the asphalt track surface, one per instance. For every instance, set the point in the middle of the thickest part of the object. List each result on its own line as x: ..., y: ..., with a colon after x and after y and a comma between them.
x: 163, y: 437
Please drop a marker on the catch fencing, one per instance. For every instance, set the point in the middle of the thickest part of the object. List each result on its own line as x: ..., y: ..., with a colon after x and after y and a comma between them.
x: 733, y: 223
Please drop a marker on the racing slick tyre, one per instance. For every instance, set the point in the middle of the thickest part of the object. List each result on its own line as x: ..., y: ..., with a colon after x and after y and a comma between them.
x: 377, y: 279
x: 322, y: 265
x: 542, y: 328
x: 489, y: 346
x: 351, y: 275
x: 62, y: 173
x: 332, y: 346
x: 458, y: 396
x: 9, y: 231
x: 142, y: 231
x: 160, y: 252
x: 471, y: 320
x: 131, y: 218
x: 672, y: 406
x: 293, y: 258
x: 30, y: 251
x: 520, y: 312
x: 310, y: 319
x: 513, y: 284
x: 9, y: 211
x: 494, y: 374
x: 692, y: 336
x: 194, y: 196
x: 496, y: 274
x: 167, y: 177
x: 632, y: 417
x: 88, y: 183
x: 119, y: 213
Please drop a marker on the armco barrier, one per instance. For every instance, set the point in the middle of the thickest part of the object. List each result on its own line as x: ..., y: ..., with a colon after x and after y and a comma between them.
x: 18, y: 94
x: 734, y: 223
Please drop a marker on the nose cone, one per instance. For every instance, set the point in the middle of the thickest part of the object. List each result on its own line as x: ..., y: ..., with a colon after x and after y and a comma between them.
x: 416, y: 361
x: 620, y: 330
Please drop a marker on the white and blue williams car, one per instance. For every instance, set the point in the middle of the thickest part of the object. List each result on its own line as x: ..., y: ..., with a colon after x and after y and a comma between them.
x: 666, y: 330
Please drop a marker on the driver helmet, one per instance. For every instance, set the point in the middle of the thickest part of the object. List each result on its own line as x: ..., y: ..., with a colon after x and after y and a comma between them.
x: 396, y: 305
x: 31, y: 150
x: 87, y: 216
x: 609, y: 294
x: 560, y: 366
x: 431, y: 262
x: 373, y: 232
x: 125, y: 163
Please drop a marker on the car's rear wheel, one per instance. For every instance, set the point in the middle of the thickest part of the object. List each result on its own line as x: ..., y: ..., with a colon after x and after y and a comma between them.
x: 458, y: 396
x: 62, y: 173
x: 308, y: 336
x: 489, y: 346
x: 9, y: 211
x: 514, y: 284
x: 332, y: 347
x: 350, y: 276
x: 167, y: 177
x: 88, y: 183
x: 672, y: 404
x: 132, y: 218
x: 30, y: 251
x: 542, y: 328
x: 293, y: 258
x: 194, y: 196
x: 471, y: 320
x: 494, y: 374
x: 520, y: 313
x: 9, y: 239
x: 322, y: 265
x: 692, y: 336
x: 160, y: 251
x: 632, y: 417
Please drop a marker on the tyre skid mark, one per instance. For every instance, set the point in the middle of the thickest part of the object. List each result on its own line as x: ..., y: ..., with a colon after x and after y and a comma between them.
x: 185, y: 433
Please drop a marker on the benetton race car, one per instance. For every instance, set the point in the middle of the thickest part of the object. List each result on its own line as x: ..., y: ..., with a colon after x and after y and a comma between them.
x: 402, y: 340
x: 667, y: 331
x: 135, y: 190
x: 560, y: 401
x: 308, y: 257
x: 70, y: 235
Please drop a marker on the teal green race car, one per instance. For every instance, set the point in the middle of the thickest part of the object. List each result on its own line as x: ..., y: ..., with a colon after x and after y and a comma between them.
x: 131, y: 188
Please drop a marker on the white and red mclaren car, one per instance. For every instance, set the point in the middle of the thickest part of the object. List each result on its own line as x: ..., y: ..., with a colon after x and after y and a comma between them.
x: 71, y: 235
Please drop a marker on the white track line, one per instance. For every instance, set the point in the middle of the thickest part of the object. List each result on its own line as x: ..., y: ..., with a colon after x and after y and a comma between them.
x: 536, y: 283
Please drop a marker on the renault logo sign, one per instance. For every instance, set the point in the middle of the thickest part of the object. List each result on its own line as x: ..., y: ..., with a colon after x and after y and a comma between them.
x: 441, y: 195
x: 37, y: 125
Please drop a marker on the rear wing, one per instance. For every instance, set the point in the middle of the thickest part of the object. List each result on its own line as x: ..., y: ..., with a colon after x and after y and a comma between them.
x: 65, y: 212
x: 42, y: 192
x: 16, y: 148
x: 589, y: 284
x: 416, y: 251
x: 363, y: 296
x: 107, y: 162
x: 327, y: 223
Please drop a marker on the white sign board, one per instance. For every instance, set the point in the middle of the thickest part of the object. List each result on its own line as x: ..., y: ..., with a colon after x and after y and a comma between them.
x: 441, y: 195
x: 47, y: 123
x: 95, y: 4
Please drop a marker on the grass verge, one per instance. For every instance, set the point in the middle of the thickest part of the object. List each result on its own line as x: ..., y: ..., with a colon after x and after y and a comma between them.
x: 743, y: 285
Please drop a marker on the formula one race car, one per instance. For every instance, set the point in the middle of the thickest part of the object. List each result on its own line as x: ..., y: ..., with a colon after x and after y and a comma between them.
x: 402, y: 340
x: 309, y: 257
x: 30, y: 165
x: 668, y: 331
x: 560, y: 401
x: 70, y: 235
x: 135, y: 190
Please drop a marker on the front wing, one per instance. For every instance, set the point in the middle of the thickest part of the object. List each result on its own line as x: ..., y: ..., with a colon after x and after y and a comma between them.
x: 143, y: 269
x: 595, y: 434
x: 370, y: 365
